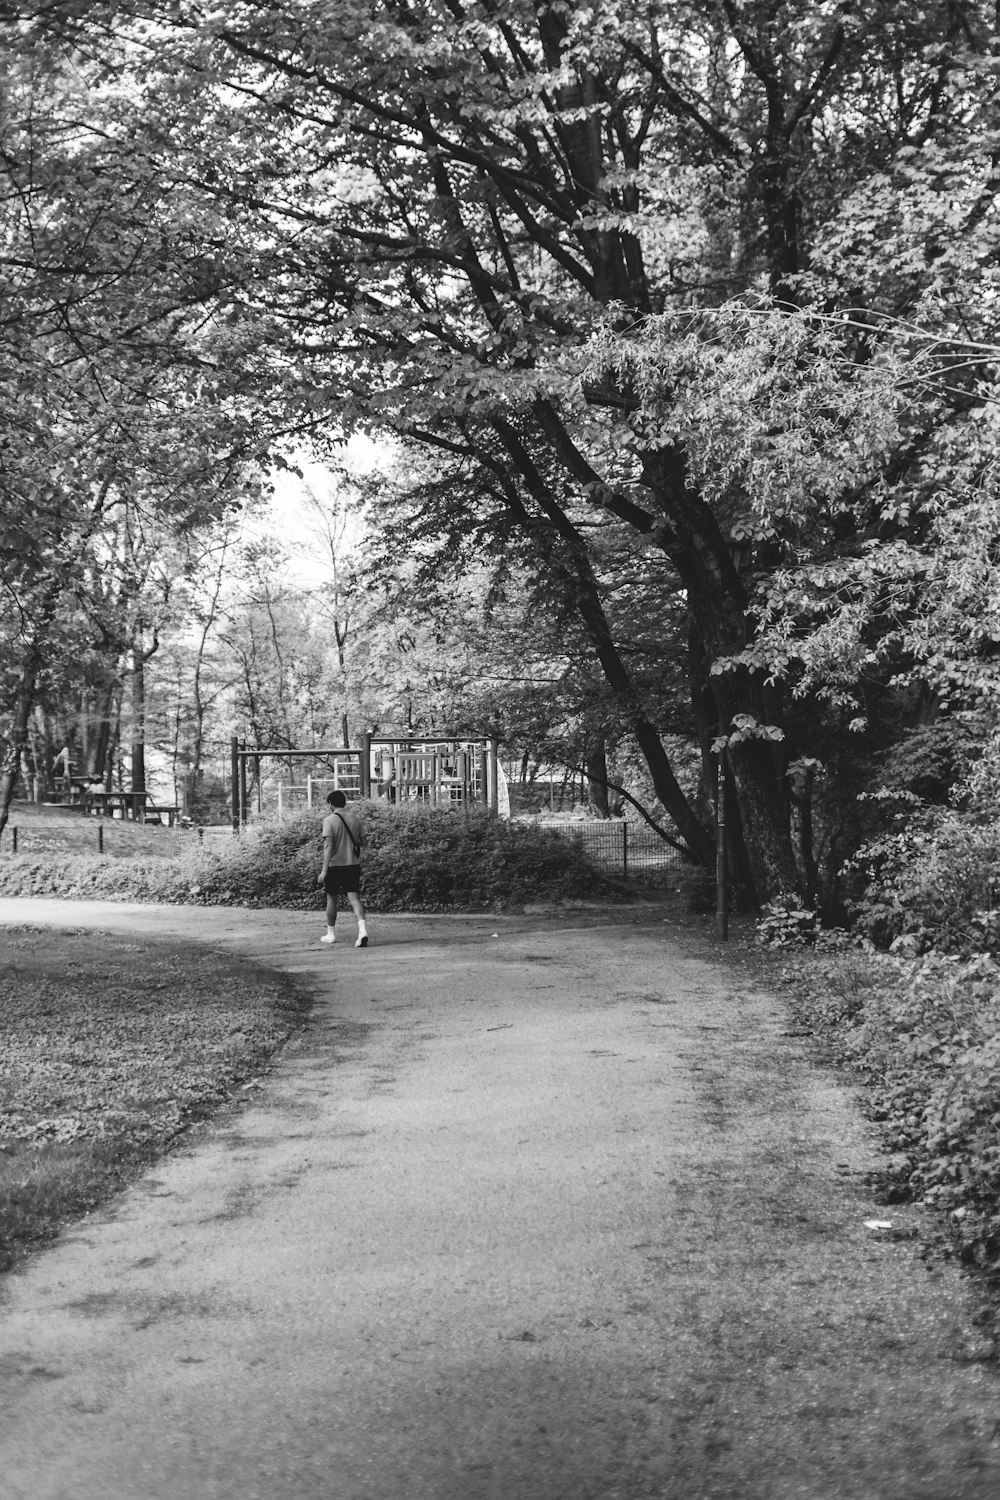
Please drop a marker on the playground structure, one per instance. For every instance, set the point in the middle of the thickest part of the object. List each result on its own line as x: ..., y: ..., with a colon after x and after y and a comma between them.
x: 436, y: 772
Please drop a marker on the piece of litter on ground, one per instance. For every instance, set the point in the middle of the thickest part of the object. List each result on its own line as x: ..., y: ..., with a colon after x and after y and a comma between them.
x: 878, y: 1223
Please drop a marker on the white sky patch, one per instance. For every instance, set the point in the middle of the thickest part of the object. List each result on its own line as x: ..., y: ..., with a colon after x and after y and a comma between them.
x: 291, y: 515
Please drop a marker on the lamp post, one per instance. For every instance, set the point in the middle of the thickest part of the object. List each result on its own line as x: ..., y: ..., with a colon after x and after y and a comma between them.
x: 721, y: 851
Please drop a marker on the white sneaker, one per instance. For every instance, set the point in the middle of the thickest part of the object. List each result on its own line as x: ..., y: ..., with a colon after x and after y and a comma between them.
x: 328, y: 937
x: 362, y: 941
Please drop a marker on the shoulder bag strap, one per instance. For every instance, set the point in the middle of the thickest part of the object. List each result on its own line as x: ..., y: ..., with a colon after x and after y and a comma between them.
x: 354, y: 843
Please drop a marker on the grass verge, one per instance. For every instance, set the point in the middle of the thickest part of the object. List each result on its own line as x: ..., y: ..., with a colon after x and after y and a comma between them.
x: 108, y: 1049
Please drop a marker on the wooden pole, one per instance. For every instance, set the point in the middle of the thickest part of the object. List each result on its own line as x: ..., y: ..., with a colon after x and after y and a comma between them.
x: 243, y: 782
x: 234, y: 780
x: 366, y: 765
x: 494, y: 778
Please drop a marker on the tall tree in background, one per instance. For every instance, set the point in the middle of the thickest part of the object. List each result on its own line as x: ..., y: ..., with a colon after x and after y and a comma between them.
x: 118, y: 387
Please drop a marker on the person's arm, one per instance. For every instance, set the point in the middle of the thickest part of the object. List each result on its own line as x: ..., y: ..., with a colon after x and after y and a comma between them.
x: 327, y: 851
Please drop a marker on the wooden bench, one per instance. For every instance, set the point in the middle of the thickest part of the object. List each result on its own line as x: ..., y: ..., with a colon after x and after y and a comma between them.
x: 156, y: 812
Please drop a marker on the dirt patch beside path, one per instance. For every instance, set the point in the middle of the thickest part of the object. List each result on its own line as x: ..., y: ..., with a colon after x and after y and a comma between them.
x: 532, y: 1212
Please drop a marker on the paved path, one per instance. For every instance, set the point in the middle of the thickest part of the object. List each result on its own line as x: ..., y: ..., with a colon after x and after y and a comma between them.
x: 531, y: 1212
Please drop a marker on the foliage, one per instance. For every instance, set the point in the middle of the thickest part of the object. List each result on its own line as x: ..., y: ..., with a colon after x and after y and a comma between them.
x: 783, y: 924
x: 108, y: 1055
x: 123, y: 401
x: 426, y: 861
x: 932, y: 884
x: 926, y: 1035
x: 932, y: 763
x: 413, y: 860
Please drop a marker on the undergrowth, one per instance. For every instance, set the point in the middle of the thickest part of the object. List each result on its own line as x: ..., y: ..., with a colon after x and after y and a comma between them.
x: 924, y: 1033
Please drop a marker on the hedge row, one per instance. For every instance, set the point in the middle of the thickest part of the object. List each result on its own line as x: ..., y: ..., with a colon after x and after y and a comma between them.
x: 414, y: 860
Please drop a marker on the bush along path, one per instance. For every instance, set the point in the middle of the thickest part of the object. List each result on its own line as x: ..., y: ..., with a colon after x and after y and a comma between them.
x: 414, y: 860
x: 534, y: 1210
x: 923, y: 1034
x: 911, y: 1001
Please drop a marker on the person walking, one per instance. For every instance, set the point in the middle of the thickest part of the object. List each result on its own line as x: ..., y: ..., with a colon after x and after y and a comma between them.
x: 341, y: 870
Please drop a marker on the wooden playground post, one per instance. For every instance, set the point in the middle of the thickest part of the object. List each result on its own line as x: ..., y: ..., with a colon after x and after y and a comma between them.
x: 494, y: 777
x: 462, y: 776
x: 234, y: 781
x: 366, y: 765
x: 243, y: 781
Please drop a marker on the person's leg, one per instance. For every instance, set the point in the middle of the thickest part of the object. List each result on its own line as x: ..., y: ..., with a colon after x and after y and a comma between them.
x: 358, y: 908
x: 331, y: 918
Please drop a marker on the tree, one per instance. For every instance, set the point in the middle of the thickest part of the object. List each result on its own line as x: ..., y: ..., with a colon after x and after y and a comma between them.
x: 115, y: 384
x: 476, y: 224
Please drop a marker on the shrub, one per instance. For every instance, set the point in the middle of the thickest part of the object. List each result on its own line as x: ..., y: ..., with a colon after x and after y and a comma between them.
x: 785, y: 924
x: 933, y: 886
x: 925, y: 1034
x: 424, y: 859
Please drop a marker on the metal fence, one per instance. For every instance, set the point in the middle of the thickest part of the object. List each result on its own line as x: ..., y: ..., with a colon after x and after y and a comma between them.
x: 113, y: 836
x: 620, y: 847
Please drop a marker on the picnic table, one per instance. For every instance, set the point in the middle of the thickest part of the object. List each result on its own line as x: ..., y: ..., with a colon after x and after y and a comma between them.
x: 136, y: 806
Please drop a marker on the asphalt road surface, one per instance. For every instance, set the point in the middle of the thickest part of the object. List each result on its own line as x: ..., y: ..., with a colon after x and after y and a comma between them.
x: 534, y: 1210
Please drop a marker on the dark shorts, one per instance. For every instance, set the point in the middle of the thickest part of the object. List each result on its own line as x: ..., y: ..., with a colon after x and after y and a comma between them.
x: 342, y: 878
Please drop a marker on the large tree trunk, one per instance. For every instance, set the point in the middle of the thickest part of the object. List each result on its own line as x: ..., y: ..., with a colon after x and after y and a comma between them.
x: 720, y: 631
x: 762, y: 795
x: 114, y: 738
x: 596, y: 763
x: 23, y: 703
x: 580, y: 584
x: 97, y: 765
x: 140, y: 657
x: 137, y: 783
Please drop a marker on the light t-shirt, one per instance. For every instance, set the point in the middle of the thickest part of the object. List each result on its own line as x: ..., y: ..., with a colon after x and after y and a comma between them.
x: 342, y: 852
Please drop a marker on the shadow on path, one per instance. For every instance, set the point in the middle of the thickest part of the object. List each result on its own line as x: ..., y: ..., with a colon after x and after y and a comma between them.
x: 530, y: 1212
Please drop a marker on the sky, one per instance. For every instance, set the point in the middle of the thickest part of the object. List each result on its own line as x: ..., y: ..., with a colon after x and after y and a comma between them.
x: 288, y: 514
